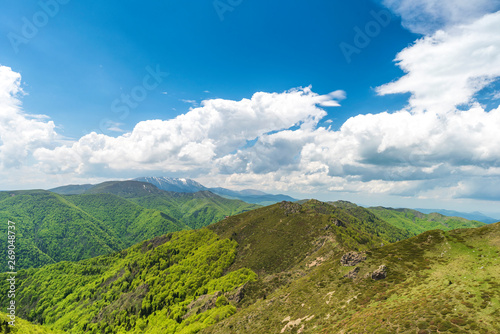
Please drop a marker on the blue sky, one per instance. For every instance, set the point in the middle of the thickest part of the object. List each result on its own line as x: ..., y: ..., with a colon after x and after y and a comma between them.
x: 90, y: 53
x: 80, y: 85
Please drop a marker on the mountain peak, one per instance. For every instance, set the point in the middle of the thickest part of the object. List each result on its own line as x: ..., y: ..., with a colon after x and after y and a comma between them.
x: 184, y: 185
x: 181, y: 185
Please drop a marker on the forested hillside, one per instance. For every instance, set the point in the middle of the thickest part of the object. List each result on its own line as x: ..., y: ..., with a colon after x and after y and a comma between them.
x: 107, y: 218
x: 194, y: 209
x: 176, y: 283
x: 49, y: 228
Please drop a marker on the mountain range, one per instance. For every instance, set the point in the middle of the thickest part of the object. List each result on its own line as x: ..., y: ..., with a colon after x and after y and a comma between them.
x: 308, y: 267
x: 476, y: 215
x: 103, y: 219
x: 248, y: 195
x: 189, y: 186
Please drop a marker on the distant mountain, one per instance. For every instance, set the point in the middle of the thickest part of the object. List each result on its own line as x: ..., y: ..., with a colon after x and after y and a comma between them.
x: 252, y: 196
x: 418, y: 222
x: 196, y: 210
x: 191, y: 186
x: 183, y: 185
x: 73, y: 189
x: 476, y: 215
x: 173, y: 184
x: 126, y: 189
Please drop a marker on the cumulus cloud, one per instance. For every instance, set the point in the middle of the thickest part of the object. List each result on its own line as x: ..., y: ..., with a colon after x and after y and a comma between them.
x: 195, y: 139
x: 401, y: 153
x: 20, y: 133
x: 446, y: 69
x: 427, y: 16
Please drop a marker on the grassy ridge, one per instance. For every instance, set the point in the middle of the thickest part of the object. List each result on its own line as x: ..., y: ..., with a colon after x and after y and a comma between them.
x: 278, y: 237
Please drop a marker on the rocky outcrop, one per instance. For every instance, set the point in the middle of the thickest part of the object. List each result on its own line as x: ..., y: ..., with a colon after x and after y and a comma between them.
x: 380, y: 273
x: 353, y: 273
x: 352, y: 258
x: 202, y: 304
x: 337, y: 222
x: 206, y: 302
x: 290, y: 207
x: 237, y: 295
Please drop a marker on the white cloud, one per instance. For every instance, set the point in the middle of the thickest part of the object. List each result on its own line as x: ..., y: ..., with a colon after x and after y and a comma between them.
x: 193, y: 140
x: 446, y: 69
x: 114, y: 126
x: 402, y: 153
x: 20, y: 133
x: 427, y: 16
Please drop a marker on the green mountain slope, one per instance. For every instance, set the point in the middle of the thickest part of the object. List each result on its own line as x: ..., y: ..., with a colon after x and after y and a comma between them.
x: 280, y: 236
x: 284, y: 241
x: 107, y: 218
x: 130, y: 222
x: 417, y: 222
x: 50, y: 229
x: 194, y: 209
x: 22, y: 326
x: 437, y: 282
x: 175, y: 283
